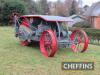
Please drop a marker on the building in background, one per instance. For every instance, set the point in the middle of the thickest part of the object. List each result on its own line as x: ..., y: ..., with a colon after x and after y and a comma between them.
x: 93, y: 15
x: 76, y: 19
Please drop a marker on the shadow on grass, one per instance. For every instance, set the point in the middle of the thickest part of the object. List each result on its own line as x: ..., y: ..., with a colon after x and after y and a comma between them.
x: 60, y: 51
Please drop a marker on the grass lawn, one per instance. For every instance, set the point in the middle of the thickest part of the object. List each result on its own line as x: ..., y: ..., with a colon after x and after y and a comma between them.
x: 18, y: 60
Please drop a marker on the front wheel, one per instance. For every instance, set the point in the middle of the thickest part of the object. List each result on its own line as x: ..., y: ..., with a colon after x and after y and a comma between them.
x: 48, y: 43
x: 79, y: 41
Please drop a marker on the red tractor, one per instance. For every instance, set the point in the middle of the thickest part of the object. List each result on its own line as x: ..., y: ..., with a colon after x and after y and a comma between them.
x: 51, y: 32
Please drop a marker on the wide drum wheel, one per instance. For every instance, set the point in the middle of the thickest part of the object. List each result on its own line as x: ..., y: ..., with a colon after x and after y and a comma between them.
x: 48, y: 43
x: 79, y: 41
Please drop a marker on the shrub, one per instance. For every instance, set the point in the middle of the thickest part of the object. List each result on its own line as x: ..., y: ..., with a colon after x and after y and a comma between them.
x: 93, y: 34
x: 10, y: 7
x: 82, y: 24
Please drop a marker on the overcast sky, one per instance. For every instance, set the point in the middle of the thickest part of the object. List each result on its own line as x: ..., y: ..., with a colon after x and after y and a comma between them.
x: 85, y: 2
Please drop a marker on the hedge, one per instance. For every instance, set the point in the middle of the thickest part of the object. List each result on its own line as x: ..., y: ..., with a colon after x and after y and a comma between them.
x: 93, y: 34
x: 83, y: 24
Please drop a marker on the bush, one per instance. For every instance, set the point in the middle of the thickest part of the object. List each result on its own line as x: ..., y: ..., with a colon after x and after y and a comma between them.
x: 10, y: 7
x: 93, y: 34
x: 82, y: 24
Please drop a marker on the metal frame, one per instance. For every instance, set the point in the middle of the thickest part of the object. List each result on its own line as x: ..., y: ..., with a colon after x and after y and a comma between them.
x: 36, y: 38
x: 28, y: 35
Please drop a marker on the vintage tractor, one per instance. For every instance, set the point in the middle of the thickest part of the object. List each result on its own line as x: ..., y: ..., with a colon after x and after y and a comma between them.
x: 51, y: 32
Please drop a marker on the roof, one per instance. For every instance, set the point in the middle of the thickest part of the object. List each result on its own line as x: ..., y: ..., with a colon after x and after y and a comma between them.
x: 50, y: 18
x: 94, y: 10
x: 74, y: 16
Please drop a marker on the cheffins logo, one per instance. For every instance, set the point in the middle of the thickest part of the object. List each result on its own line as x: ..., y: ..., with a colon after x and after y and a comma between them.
x: 78, y: 65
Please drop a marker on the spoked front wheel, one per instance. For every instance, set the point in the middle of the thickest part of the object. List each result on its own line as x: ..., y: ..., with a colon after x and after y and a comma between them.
x: 48, y: 43
x: 79, y: 41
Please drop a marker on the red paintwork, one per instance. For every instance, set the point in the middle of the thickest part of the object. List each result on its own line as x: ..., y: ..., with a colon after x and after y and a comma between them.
x: 25, y: 23
x: 53, y: 45
x: 24, y: 43
x: 79, y: 40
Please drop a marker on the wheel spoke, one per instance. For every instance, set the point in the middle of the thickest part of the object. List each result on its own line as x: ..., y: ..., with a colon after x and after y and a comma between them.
x: 80, y: 40
x: 48, y: 43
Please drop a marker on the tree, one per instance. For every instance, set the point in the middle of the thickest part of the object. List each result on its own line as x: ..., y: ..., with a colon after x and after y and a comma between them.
x: 58, y: 8
x: 73, y: 8
x: 86, y: 7
x: 31, y: 6
x: 80, y: 3
x: 1, y: 7
x: 44, y: 8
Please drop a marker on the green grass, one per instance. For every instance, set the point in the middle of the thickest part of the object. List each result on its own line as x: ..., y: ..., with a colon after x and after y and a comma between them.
x: 18, y: 60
